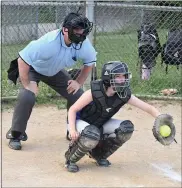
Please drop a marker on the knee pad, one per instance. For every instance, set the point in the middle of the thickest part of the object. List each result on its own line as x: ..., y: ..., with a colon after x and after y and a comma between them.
x: 125, y: 131
x: 111, y: 144
x: 90, y: 137
x: 26, y: 101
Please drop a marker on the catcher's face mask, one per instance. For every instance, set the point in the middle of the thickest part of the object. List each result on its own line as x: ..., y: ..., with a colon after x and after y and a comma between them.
x: 116, y: 75
x: 119, y: 82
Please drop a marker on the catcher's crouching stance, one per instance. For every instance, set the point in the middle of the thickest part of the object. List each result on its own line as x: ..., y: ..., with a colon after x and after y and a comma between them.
x: 92, y: 129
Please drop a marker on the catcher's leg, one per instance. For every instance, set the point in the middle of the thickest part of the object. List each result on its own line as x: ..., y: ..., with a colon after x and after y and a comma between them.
x: 89, y: 138
x: 109, y: 145
x: 61, y: 88
x: 67, y: 133
x: 22, y: 112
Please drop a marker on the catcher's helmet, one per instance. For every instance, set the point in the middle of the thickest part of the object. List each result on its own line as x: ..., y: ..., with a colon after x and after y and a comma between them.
x: 77, y: 21
x: 109, y: 72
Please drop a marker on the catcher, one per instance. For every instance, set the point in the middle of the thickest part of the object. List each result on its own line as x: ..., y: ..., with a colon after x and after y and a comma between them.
x: 92, y: 129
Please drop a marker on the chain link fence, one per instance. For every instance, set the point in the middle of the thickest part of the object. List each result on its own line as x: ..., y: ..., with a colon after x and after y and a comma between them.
x: 24, y: 21
x: 138, y: 33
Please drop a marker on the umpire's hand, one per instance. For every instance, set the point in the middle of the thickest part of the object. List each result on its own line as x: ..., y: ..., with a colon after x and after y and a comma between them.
x: 73, y: 86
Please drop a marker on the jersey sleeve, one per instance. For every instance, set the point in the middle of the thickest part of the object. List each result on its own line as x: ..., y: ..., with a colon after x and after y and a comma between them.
x: 88, y: 54
x: 36, y: 50
x: 31, y: 52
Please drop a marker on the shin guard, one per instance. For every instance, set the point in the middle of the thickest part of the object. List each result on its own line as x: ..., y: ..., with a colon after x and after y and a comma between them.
x: 109, y: 145
x: 89, y: 138
x: 22, y: 111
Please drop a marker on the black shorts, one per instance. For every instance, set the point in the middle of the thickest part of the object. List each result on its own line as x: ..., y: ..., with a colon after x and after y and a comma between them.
x: 58, y: 82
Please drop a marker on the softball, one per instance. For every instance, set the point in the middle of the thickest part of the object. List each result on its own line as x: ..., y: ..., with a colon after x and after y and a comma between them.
x: 165, y: 130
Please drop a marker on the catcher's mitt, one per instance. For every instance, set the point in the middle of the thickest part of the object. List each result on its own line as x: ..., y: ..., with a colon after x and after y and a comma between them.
x: 164, y: 119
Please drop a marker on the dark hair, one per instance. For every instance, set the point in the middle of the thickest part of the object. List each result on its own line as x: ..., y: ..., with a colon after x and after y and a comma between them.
x: 69, y: 18
x: 77, y: 21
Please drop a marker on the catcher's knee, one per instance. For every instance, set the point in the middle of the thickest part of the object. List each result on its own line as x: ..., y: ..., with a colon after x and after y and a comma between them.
x: 124, y: 131
x: 109, y: 145
x: 90, y: 137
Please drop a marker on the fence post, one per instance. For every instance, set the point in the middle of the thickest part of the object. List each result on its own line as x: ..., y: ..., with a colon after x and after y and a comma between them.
x: 37, y: 23
x: 90, y: 15
x: 56, y: 17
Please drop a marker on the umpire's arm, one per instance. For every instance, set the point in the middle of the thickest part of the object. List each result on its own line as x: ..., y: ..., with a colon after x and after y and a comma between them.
x: 88, y: 57
x: 84, y: 74
x: 23, y: 72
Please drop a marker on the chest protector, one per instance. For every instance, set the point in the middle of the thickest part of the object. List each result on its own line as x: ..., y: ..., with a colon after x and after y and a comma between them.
x: 103, y: 107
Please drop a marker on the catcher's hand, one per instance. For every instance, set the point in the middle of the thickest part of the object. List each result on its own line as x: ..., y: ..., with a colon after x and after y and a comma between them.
x: 164, y: 119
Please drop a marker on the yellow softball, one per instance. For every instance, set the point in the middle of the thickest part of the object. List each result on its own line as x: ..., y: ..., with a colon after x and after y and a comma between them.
x: 165, y: 130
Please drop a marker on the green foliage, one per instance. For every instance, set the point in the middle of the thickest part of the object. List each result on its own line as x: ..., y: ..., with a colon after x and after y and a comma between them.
x: 125, y: 48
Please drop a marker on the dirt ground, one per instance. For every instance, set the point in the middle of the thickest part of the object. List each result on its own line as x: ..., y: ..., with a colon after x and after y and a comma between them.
x: 141, y: 162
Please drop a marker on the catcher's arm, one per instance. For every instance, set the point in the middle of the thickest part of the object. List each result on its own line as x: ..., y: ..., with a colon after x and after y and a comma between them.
x: 160, y: 120
x: 135, y: 101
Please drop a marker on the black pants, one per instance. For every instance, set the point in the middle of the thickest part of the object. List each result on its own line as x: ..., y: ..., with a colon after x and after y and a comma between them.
x: 57, y: 82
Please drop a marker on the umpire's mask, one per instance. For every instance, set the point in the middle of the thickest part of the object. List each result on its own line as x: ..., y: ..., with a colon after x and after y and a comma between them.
x: 116, y: 75
x: 74, y: 21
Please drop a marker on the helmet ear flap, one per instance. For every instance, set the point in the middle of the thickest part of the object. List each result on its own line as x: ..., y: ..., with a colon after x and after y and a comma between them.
x: 106, y: 75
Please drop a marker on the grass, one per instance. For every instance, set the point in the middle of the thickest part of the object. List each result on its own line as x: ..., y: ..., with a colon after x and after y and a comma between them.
x: 113, y: 46
x: 124, y: 47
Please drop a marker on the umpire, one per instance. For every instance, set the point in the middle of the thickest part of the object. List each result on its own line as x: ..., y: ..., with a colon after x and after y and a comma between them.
x: 45, y: 60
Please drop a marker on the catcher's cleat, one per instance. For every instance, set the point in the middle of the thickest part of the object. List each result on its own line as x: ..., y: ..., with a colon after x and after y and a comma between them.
x: 15, y: 144
x: 100, y: 162
x: 103, y: 162
x: 71, y: 167
x: 22, y: 137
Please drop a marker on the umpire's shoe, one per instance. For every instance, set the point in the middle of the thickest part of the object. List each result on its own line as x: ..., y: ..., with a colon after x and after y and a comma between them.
x: 22, y: 137
x: 15, y: 144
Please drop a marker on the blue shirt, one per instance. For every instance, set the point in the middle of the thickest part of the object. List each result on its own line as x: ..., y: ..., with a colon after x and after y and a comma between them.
x: 49, y: 54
